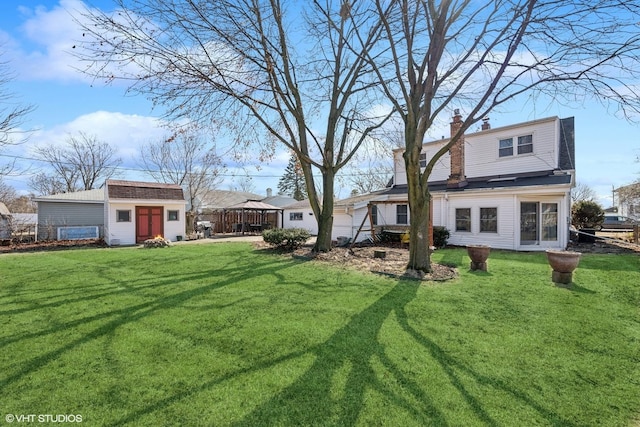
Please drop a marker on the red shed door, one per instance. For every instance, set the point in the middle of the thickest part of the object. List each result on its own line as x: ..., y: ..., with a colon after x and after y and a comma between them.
x: 149, y: 222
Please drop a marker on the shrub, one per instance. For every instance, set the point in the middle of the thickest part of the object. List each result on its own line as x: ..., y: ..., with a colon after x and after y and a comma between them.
x: 286, y: 238
x: 587, y: 214
x: 440, y: 236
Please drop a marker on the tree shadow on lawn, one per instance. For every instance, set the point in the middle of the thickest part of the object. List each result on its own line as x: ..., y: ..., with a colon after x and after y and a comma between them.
x: 133, y: 313
x: 311, y: 401
x: 312, y: 398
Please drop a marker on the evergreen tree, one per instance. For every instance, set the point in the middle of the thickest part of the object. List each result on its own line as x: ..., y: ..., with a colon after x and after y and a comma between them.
x: 292, y: 182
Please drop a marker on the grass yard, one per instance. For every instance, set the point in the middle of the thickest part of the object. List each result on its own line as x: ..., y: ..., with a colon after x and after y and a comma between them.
x: 223, y: 334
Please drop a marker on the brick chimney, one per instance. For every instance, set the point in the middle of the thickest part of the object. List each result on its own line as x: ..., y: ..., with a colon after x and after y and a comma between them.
x: 457, y: 178
x: 485, y: 124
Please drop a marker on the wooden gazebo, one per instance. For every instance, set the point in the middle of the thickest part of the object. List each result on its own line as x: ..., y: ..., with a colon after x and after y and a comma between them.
x: 253, y: 214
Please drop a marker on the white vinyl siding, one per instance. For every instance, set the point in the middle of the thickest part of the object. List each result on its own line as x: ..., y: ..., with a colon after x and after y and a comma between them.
x: 124, y: 233
x: 507, y: 204
x: 307, y: 221
x: 482, y: 152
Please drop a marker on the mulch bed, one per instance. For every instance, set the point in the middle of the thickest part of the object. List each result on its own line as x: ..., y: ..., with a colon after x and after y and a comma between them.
x: 52, y: 245
x: 393, y: 264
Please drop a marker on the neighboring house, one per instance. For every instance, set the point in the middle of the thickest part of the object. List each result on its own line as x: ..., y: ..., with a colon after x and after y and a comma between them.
x: 300, y: 215
x: 5, y: 222
x: 278, y: 200
x: 123, y: 213
x: 137, y: 211
x: 71, y: 215
x: 629, y: 208
x: 507, y: 187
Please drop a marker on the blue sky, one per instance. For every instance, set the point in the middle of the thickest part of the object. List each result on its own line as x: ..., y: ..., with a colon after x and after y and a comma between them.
x: 37, y: 35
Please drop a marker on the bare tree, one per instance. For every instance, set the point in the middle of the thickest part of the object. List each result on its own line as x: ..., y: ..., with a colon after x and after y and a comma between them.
x: 45, y: 183
x: 185, y: 158
x: 478, y: 56
x: 265, y: 69
x: 582, y: 192
x: 371, y: 168
x: 83, y: 163
x: 12, y: 115
x: 243, y: 183
x: 369, y: 175
x: 7, y: 193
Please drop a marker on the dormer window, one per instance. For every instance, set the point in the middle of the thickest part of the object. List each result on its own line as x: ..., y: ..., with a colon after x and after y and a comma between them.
x: 525, y: 146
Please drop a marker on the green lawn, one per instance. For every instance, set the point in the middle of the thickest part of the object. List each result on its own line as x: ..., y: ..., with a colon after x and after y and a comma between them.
x: 222, y: 334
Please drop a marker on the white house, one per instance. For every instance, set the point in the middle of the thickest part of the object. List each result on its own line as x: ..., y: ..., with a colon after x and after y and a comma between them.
x: 123, y: 213
x: 507, y: 187
x: 5, y: 222
x: 300, y: 215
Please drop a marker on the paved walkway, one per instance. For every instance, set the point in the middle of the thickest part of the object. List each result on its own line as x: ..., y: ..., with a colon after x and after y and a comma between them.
x: 225, y: 238
x: 220, y: 238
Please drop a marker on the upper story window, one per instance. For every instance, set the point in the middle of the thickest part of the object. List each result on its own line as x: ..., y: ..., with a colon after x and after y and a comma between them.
x: 506, y: 147
x: 525, y: 146
x: 423, y: 160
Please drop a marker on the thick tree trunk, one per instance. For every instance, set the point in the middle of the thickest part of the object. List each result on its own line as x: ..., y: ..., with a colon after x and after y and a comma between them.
x: 325, y: 219
x: 419, y: 204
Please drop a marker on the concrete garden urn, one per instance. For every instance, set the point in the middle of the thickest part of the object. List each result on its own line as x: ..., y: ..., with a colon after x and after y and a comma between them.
x: 478, y: 255
x: 563, y: 263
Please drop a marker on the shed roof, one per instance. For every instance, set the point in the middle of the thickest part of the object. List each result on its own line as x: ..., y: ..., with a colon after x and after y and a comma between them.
x: 143, y: 190
x: 89, y: 196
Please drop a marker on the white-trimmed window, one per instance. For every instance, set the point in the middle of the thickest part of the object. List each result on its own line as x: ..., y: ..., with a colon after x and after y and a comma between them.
x: 488, y: 220
x: 123, y: 216
x: 423, y: 160
x: 173, y: 215
x: 505, y: 147
x: 295, y: 216
x: 463, y: 219
x: 525, y: 144
x: 402, y: 214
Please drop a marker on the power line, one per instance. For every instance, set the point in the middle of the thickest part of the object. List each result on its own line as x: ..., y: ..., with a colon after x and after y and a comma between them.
x: 150, y: 171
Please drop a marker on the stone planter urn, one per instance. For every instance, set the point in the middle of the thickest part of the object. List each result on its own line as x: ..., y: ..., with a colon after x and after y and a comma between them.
x: 478, y: 255
x: 563, y: 263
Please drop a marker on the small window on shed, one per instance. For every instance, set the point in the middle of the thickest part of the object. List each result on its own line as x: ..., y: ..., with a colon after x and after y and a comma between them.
x: 172, y: 216
x: 123, y: 216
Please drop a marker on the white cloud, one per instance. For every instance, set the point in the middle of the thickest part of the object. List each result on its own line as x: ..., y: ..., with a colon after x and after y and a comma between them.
x: 49, y: 35
x: 125, y: 132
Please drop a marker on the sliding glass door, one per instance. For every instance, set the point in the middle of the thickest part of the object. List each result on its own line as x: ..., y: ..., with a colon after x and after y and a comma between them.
x: 538, y: 223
